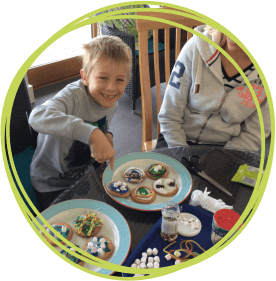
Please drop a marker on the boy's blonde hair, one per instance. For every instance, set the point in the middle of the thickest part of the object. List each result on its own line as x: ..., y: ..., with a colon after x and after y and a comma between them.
x: 106, y: 47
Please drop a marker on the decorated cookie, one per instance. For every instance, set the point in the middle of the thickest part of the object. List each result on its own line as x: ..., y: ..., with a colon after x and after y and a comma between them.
x: 71, y: 257
x: 99, y: 246
x: 63, y: 228
x: 87, y: 226
x: 157, y: 171
x: 134, y: 175
x: 143, y: 195
x: 165, y: 187
x: 118, y: 188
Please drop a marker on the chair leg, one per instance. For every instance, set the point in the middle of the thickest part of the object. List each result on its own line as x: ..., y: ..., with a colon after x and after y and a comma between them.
x: 133, y: 105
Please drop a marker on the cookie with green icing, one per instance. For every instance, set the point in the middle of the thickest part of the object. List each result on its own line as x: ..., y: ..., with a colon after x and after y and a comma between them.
x: 72, y: 257
x: 143, y: 195
x: 165, y: 187
x: 63, y: 228
x: 87, y: 226
x: 99, y: 246
x: 157, y: 171
x: 118, y: 188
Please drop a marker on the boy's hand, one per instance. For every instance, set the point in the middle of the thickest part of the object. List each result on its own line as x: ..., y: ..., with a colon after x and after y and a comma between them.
x: 101, y: 148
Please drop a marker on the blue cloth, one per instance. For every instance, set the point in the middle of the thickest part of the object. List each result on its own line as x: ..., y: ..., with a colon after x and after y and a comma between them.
x: 154, y: 240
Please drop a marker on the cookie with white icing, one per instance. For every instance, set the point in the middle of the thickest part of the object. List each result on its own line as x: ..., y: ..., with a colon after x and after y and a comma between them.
x: 118, y: 188
x: 63, y: 228
x: 134, y: 175
x: 157, y: 171
x: 99, y: 246
x: 143, y: 195
x: 165, y: 187
x: 87, y: 226
x: 72, y: 257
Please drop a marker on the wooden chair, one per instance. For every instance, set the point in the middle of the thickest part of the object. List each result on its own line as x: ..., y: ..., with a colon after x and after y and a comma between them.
x: 143, y: 26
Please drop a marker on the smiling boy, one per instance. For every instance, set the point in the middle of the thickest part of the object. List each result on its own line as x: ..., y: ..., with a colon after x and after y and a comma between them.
x: 73, y: 126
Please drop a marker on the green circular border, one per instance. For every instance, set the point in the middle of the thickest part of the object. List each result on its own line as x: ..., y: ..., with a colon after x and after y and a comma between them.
x: 82, y: 21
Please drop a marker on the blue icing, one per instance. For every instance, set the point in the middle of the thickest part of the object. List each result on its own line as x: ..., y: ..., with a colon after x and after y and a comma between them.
x: 113, y: 188
x: 59, y: 228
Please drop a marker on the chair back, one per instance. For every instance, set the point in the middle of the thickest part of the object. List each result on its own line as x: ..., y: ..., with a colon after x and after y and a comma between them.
x: 143, y: 26
x: 21, y: 134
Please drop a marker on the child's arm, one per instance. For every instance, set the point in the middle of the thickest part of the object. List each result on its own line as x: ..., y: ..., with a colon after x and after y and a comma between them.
x: 101, y: 147
x: 250, y: 135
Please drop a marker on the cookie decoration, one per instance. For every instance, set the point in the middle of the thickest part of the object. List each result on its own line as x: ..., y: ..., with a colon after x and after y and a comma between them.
x: 134, y: 175
x: 157, y: 171
x: 87, y: 226
x: 143, y: 195
x: 99, y: 246
x: 71, y: 257
x: 63, y: 228
x: 118, y: 188
x: 165, y: 187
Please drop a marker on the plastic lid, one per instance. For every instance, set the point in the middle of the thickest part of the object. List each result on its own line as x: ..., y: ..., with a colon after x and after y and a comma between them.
x: 226, y: 218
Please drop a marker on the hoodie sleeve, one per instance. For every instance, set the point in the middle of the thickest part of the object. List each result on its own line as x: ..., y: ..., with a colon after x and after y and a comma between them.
x: 56, y: 117
x: 250, y: 135
x: 175, y: 100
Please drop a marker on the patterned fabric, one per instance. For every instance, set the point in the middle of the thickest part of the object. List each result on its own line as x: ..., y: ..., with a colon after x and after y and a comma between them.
x: 126, y: 25
x: 234, y: 81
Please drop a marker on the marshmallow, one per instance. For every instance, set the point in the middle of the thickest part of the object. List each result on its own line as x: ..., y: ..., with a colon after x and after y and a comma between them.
x: 156, y: 259
x: 134, y: 265
x: 149, y: 265
x: 94, y: 250
x: 144, y: 254
x: 143, y: 265
x: 116, y: 184
x: 149, y: 251
x: 102, y: 240
x: 100, y: 252
x: 103, y: 246
x: 155, y: 251
x: 64, y: 228
x: 137, y: 261
x: 90, y: 245
x: 123, y: 188
x: 156, y: 264
x: 143, y: 259
x: 168, y: 257
x: 95, y: 239
x: 177, y: 262
x: 177, y: 254
x: 150, y: 259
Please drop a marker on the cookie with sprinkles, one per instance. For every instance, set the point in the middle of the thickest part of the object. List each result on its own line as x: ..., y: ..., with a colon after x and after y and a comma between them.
x: 63, y: 228
x: 87, y: 226
x: 118, y: 188
x: 157, y: 171
x: 134, y: 175
x: 165, y: 187
x: 143, y: 195
x: 72, y: 257
x: 99, y: 246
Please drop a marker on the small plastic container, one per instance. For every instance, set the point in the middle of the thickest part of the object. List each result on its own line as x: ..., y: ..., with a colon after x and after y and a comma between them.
x: 170, y: 216
x: 222, y: 223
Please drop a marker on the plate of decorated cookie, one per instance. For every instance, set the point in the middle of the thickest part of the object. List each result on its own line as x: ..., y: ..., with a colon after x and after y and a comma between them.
x: 146, y: 180
x: 93, y: 226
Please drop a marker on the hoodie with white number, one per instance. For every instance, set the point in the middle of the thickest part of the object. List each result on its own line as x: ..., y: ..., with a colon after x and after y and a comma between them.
x: 197, y: 108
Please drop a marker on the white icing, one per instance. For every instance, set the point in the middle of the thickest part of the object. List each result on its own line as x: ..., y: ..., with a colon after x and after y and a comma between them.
x: 165, y: 183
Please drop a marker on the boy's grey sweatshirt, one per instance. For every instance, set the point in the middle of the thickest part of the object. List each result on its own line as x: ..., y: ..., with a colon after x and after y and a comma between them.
x: 65, y: 124
x: 197, y: 108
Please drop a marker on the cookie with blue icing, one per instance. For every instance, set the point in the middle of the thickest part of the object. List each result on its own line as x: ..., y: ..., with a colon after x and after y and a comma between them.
x: 99, y: 246
x: 134, y: 175
x: 118, y: 188
x: 61, y: 227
